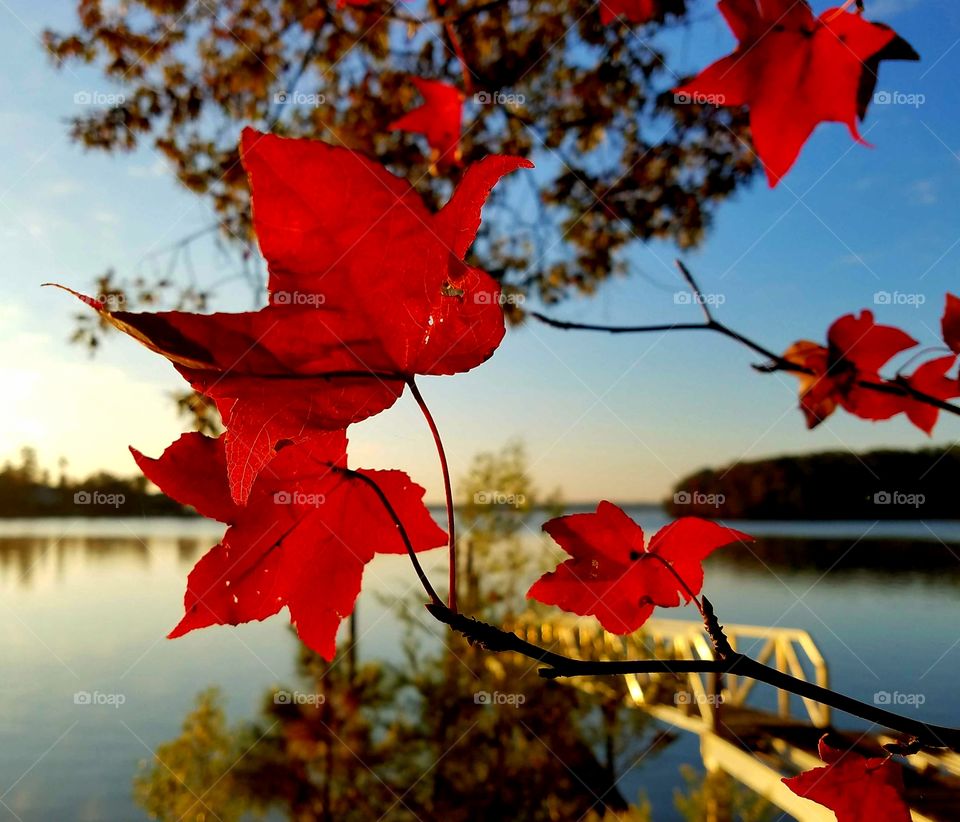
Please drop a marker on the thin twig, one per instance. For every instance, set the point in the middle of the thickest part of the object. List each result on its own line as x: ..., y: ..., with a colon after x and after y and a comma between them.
x: 715, y: 630
x: 727, y: 661
x: 461, y: 57
x: 936, y: 736
x: 496, y: 639
x: 898, y: 386
x: 560, y: 666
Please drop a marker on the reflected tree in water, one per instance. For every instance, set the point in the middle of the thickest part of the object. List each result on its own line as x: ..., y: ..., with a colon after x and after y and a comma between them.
x: 717, y: 797
x: 491, y: 741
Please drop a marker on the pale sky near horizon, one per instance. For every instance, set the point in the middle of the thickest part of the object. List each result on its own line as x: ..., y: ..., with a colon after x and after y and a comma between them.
x: 614, y: 417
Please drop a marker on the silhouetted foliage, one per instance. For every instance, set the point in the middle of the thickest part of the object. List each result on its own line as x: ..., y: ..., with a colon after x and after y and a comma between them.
x: 715, y: 795
x: 620, y: 160
x: 27, y: 491
x: 834, y: 485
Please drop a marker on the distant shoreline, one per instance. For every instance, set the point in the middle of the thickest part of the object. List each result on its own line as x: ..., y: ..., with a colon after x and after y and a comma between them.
x: 651, y: 518
x: 834, y: 485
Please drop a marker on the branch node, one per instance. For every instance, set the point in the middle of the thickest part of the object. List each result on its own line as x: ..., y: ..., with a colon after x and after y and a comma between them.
x: 715, y: 630
x: 905, y: 746
x: 473, y: 630
x: 697, y: 293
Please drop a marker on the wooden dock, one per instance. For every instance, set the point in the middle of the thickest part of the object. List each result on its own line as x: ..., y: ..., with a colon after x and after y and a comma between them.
x: 750, y: 731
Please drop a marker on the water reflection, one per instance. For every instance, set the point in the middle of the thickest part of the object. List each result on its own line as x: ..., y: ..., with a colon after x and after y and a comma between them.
x: 87, y: 611
x: 22, y: 559
x: 460, y: 736
x: 880, y: 558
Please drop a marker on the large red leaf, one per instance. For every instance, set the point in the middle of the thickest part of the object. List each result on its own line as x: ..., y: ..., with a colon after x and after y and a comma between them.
x: 302, y: 539
x: 868, y: 346
x: 795, y: 71
x: 856, y: 788
x: 439, y: 119
x: 331, y: 222
x: 856, y: 349
x: 615, y: 576
x: 368, y: 288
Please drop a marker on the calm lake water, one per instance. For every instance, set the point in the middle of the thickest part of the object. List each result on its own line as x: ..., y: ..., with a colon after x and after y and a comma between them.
x: 86, y: 604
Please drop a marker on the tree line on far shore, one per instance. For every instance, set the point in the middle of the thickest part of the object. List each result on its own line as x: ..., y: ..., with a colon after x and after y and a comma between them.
x: 885, y: 484
x: 28, y: 490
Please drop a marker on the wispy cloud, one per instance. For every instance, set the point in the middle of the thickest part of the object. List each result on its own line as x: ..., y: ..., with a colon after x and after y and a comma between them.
x: 924, y: 193
x: 879, y: 9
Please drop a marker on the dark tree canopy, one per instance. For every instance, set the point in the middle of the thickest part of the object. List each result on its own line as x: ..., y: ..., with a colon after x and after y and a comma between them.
x: 619, y: 159
x: 874, y: 485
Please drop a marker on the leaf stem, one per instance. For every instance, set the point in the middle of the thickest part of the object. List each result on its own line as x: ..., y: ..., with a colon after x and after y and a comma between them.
x: 424, y: 579
x: 691, y: 596
x: 447, y: 490
x: 711, y: 624
x: 838, y: 11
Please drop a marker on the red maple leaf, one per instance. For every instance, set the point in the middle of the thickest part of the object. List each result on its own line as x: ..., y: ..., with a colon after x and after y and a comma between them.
x: 636, y: 11
x: 856, y: 788
x: 368, y: 288
x: 339, y: 227
x: 856, y: 350
x: 439, y: 119
x: 301, y: 541
x: 795, y: 71
x: 930, y: 379
x: 951, y: 323
x: 615, y: 576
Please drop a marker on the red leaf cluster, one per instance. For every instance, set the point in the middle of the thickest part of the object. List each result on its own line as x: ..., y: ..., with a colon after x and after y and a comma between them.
x: 846, y: 371
x: 367, y: 288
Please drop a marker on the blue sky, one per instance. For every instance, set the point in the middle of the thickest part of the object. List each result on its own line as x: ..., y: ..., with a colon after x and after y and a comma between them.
x: 620, y: 418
